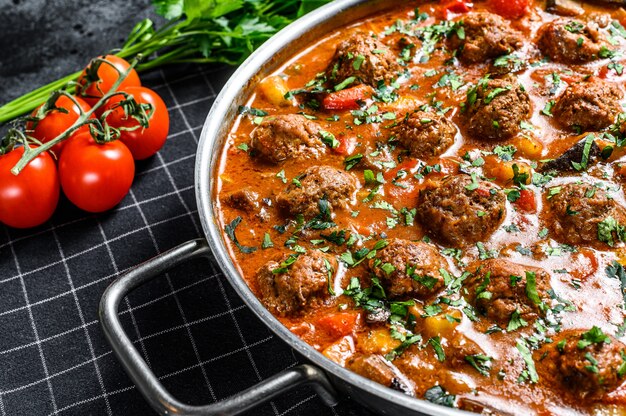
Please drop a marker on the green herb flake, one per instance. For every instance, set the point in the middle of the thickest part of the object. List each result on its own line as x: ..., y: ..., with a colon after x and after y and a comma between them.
x: 230, y: 232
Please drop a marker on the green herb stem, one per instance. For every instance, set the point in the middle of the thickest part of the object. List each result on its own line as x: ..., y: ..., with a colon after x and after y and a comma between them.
x: 222, y: 33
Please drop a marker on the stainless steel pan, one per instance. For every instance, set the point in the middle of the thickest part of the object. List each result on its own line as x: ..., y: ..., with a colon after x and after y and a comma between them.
x: 328, y: 378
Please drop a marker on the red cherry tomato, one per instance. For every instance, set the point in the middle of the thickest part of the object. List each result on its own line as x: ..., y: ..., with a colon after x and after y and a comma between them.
x: 30, y: 198
x: 142, y: 142
x: 526, y: 201
x: 107, y: 76
x: 95, y: 177
x: 56, y: 122
x: 511, y: 9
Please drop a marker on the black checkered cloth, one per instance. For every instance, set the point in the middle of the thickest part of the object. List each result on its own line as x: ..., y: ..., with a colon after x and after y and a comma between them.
x: 190, y: 326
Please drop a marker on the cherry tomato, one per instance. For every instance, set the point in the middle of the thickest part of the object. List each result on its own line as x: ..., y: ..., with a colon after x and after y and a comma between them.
x: 142, y: 142
x: 56, y: 122
x: 511, y: 9
x: 107, y: 76
x: 30, y: 198
x: 95, y: 177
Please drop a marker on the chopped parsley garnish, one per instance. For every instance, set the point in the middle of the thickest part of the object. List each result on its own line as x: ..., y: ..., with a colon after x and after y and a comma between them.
x: 438, y: 395
x: 516, y: 322
x: 345, y: 83
x: 616, y: 271
x: 505, y: 153
x: 589, y: 140
x: 284, y: 266
x: 547, y: 109
x: 593, y: 336
x: 435, y: 342
x: 230, y: 232
x: 252, y: 111
x: 281, y: 175
x: 531, y: 290
x: 474, y: 185
x: 530, y: 373
x: 609, y: 227
x: 267, y: 241
x: 480, y: 362
x: 329, y: 139
x: 352, y: 161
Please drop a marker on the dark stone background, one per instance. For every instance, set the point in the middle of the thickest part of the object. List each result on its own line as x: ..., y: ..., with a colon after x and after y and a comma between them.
x: 43, y: 40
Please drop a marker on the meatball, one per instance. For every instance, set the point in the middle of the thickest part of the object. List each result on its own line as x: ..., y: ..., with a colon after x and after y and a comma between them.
x: 317, y: 183
x: 243, y: 199
x: 487, y: 36
x: 571, y: 41
x: 365, y: 58
x: 587, y: 363
x: 577, y: 212
x: 289, y: 136
x: 498, y: 288
x: 459, y: 210
x: 407, y: 268
x: 425, y: 134
x: 376, y: 368
x: 589, y: 105
x: 291, y: 287
x: 495, y: 108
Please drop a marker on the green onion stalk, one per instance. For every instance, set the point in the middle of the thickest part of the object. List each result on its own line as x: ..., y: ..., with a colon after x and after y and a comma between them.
x: 212, y: 31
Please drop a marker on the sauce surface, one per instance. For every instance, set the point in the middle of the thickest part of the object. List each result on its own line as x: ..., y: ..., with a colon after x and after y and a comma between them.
x: 432, y: 197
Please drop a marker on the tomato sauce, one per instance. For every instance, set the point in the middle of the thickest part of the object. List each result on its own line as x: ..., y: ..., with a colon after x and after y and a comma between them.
x: 447, y: 346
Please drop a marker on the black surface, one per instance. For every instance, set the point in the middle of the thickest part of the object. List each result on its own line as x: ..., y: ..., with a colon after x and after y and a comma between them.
x: 190, y: 325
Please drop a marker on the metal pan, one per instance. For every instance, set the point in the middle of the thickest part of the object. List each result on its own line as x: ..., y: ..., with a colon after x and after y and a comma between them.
x: 328, y: 378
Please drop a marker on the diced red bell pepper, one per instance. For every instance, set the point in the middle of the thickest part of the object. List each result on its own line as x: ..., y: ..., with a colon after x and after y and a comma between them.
x: 454, y: 6
x: 407, y: 165
x: 527, y: 201
x: 483, y: 192
x: 346, y: 145
x: 511, y: 9
x: 348, y: 99
x: 338, y: 324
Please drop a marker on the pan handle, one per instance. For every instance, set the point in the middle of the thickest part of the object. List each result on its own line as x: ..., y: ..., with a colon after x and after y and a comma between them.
x: 148, y: 384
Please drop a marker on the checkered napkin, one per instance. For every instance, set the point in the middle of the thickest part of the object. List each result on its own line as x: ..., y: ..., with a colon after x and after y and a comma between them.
x: 190, y: 326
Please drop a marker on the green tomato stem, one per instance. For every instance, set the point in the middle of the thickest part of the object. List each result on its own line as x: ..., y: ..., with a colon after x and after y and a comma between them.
x: 83, y: 120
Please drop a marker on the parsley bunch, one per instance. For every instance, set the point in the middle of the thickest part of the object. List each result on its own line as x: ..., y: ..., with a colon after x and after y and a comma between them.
x: 210, y: 31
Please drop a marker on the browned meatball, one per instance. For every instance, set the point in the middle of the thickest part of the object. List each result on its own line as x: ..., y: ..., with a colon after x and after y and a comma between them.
x: 459, y: 211
x: 376, y: 368
x: 586, y: 362
x: 495, y: 108
x: 365, y: 58
x: 571, y: 41
x: 243, y: 199
x: 291, y: 287
x: 577, y: 211
x: 288, y: 136
x: 407, y: 268
x: 316, y: 183
x: 425, y: 134
x: 498, y: 288
x: 487, y: 36
x: 590, y: 105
